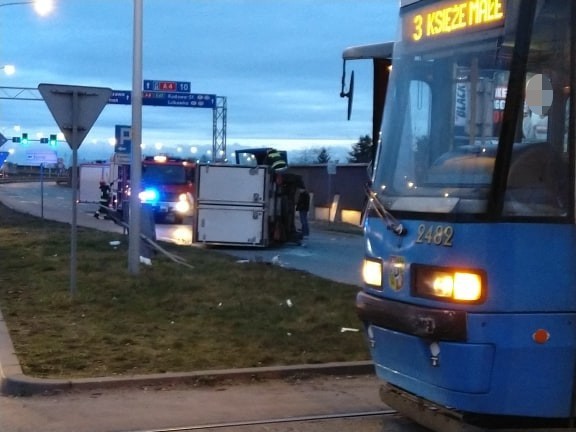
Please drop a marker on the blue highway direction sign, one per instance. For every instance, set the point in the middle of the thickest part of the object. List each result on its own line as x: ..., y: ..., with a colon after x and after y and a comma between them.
x: 166, y: 86
x: 121, y: 97
x: 191, y: 100
x: 177, y: 99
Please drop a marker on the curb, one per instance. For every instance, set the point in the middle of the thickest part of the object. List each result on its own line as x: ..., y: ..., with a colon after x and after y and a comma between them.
x: 22, y: 385
x: 15, y: 383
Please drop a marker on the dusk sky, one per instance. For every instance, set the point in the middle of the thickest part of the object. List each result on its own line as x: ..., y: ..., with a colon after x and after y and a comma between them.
x: 277, y: 62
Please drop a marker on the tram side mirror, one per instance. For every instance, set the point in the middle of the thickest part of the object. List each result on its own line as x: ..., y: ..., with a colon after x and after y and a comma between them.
x: 350, y: 93
x: 539, y: 94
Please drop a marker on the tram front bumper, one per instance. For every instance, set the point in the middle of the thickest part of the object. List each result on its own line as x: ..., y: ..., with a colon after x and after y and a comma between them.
x: 491, y: 363
x: 436, y: 324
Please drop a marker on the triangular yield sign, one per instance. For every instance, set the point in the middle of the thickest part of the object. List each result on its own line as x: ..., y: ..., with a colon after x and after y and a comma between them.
x: 75, y: 108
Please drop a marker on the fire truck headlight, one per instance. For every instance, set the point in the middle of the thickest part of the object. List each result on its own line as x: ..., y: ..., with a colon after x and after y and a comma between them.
x: 448, y: 284
x: 149, y: 195
x: 372, y: 272
x: 183, y: 204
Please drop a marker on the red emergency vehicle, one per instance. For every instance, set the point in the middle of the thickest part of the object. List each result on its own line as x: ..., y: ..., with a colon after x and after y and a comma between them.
x: 167, y: 185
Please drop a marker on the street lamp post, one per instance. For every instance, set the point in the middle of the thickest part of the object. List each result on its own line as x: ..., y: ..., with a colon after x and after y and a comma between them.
x: 8, y: 69
x: 136, y: 153
x: 42, y: 7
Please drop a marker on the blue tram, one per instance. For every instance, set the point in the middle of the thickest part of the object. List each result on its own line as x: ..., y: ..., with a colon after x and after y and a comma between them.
x: 469, y: 301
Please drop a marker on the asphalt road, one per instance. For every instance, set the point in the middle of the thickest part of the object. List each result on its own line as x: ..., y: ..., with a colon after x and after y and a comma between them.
x: 222, y: 407
x: 328, y: 254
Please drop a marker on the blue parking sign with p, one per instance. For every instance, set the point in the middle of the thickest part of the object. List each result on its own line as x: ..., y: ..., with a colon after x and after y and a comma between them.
x: 123, y: 137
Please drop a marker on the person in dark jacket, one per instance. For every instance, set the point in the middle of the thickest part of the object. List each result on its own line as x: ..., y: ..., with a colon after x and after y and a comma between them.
x: 104, y: 201
x: 275, y: 160
x: 303, y: 207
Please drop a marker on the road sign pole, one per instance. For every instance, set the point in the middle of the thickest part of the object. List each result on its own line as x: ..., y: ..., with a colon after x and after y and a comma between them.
x: 42, y: 191
x: 74, y: 227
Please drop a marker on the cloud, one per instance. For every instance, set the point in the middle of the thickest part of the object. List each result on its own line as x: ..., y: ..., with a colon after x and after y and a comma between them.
x: 277, y: 63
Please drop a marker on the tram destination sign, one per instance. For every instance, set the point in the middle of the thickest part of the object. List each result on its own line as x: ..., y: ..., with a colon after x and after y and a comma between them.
x: 450, y: 18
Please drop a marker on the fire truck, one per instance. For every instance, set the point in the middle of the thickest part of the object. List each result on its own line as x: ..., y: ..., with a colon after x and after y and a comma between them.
x: 167, y: 185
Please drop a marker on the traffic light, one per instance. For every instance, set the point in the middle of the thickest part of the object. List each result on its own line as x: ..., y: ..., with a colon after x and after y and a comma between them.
x: 24, y: 139
x: 15, y: 139
x: 53, y: 140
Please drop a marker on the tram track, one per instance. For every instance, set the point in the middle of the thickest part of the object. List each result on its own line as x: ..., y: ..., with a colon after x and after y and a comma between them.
x: 275, y: 421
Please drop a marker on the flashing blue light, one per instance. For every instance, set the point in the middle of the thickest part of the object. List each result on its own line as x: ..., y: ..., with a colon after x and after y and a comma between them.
x: 149, y: 196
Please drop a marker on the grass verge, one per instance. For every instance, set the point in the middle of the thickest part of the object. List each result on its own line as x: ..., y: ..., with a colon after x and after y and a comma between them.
x: 169, y: 318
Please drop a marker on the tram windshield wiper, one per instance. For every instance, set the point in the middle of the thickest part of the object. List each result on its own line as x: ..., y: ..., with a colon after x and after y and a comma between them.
x: 392, y: 223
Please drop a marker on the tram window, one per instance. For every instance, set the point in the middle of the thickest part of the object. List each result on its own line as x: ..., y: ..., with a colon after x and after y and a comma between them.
x: 534, y: 186
x: 443, y: 127
x: 466, y: 141
x: 566, y: 126
x: 420, y: 109
x: 539, y: 96
x: 534, y: 126
x: 538, y: 176
x: 420, y: 100
x: 416, y: 130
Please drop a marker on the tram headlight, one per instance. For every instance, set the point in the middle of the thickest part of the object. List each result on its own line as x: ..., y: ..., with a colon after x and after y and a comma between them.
x: 372, y: 272
x: 466, y: 286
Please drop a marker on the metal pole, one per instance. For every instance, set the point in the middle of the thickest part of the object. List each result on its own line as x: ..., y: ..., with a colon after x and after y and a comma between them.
x: 73, y: 229
x: 136, y: 154
x: 42, y: 191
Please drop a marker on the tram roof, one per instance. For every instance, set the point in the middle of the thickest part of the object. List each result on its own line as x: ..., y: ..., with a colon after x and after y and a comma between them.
x: 372, y: 51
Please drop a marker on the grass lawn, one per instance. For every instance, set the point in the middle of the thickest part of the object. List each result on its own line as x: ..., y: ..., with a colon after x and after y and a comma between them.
x: 169, y: 318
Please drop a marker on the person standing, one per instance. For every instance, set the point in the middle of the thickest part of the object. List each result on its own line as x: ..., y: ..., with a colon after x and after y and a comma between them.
x: 303, y: 207
x: 275, y: 160
x: 104, y: 202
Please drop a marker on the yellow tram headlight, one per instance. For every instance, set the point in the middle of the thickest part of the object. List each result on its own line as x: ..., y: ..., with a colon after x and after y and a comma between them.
x: 372, y: 272
x: 466, y: 286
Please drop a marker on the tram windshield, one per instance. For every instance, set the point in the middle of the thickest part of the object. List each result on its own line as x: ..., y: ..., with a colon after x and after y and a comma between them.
x: 451, y: 113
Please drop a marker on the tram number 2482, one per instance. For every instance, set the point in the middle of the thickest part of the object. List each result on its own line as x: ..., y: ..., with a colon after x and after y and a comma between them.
x: 438, y: 235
